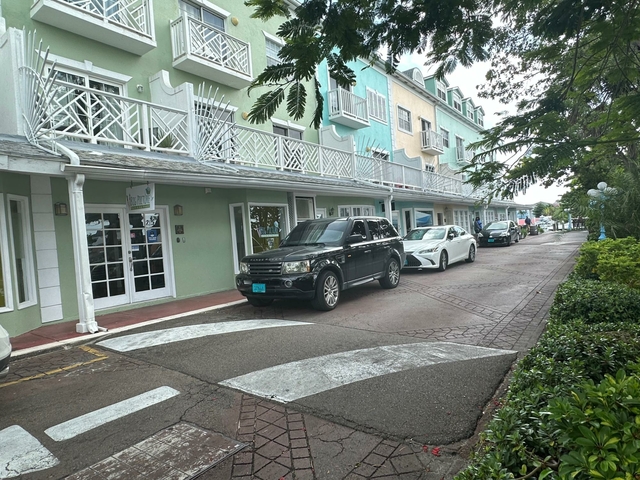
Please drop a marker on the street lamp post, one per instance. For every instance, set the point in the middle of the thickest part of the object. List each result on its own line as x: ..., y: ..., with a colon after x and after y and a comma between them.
x: 601, y: 195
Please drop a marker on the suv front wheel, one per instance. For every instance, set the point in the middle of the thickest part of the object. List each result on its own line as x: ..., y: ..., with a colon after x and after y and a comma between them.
x: 391, y: 274
x: 327, y: 291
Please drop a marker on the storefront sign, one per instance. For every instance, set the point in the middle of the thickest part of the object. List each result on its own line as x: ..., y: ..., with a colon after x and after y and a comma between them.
x: 141, y: 198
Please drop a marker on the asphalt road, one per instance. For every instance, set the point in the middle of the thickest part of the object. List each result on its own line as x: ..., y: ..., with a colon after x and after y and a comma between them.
x: 369, y: 388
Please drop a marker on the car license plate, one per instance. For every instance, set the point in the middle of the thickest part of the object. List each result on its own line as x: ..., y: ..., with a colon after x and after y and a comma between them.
x: 490, y: 240
x: 258, y: 288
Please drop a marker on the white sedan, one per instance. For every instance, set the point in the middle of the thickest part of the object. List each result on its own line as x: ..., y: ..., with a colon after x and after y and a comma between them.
x: 5, y: 352
x: 438, y: 247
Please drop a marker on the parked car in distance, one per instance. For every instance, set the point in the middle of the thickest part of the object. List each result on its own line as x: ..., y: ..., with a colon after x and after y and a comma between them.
x: 502, y: 232
x: 321, y: 258
x: 438, y: 247
x: 5, y: 352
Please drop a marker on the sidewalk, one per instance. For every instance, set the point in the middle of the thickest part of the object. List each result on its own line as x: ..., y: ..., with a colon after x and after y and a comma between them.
x: 59, y: 334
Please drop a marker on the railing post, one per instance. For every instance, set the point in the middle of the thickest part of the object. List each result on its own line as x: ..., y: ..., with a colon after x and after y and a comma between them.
x: 404, y: 177
x: 321, y: 160
x: 144, y: 122
x: 279, y: 153
x: 353, y: 165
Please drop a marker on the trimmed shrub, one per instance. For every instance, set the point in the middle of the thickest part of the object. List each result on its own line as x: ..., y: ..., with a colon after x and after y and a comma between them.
x: 611, y: 261
x: 591, y: 301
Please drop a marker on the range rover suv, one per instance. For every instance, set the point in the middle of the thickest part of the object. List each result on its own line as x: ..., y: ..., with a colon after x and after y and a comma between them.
x: 321, y: 258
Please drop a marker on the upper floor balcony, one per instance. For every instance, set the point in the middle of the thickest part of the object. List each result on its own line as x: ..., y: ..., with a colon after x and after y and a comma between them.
x: 348, y: 109
x: 84, y: 114
x: 464, y: 156
x: 431, y: 142
x: 205, y: 51
x: 124, y: 24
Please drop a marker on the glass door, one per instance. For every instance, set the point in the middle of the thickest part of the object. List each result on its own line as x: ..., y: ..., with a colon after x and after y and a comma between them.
x: 128, y: 258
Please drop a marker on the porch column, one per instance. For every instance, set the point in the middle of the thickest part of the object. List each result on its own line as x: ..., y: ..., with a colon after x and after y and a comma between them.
x: 387, y: 208
x: 87, y: 317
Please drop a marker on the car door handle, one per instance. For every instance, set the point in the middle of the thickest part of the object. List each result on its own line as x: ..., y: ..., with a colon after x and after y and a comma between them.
x: 367, y: 251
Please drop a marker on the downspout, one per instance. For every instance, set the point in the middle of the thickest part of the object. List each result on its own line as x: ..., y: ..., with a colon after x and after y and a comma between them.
x: 387, y: 208
x: 86, y: 312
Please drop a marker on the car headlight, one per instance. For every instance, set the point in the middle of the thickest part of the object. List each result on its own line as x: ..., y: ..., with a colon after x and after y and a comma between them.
x: 428, y: 250
x: 244, y: 267
x: 505, y: 234
x: 296, y: 267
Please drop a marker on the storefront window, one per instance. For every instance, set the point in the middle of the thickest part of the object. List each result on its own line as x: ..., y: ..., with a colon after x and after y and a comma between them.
x: 424, y: 218
x: 268, y: 227
x: 21, y: 249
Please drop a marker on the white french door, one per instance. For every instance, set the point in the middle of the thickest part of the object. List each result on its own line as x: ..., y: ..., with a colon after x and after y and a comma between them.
x: 129, y: 255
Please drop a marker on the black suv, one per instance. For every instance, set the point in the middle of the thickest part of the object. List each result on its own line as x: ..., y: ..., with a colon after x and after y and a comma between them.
x: 320, y: 258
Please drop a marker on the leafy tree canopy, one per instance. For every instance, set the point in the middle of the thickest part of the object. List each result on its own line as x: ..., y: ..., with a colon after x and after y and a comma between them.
x: 571, y: 66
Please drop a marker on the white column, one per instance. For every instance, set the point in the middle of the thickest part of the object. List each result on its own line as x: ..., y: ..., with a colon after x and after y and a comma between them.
x: 387, y: 208
x: 87, y: 317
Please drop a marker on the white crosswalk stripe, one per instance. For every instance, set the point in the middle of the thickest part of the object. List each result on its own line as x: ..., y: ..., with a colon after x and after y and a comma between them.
x: 170, y: 335
x: 22, y: 453
x: 91, y: 420
x: 291, y: 381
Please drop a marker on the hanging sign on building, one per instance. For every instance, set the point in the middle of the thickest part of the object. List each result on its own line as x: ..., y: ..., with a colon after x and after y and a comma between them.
x: 141, y: 198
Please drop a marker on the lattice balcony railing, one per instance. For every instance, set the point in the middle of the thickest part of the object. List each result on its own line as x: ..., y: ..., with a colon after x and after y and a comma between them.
x: 191, y: 36
x: 132, y: 14
x: 85, y: 114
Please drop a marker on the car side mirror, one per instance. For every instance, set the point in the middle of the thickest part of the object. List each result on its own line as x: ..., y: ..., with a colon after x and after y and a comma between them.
x: 354, y: 239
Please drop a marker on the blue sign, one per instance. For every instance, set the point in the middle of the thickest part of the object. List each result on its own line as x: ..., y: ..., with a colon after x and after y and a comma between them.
x: 152, y: 236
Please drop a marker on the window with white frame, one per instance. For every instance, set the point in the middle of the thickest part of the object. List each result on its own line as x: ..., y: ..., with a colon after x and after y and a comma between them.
x: 21, y: 248
x: 442, y: 91
x: 490, y: 216
x: 355, y: 210
x: 380, y: 154
x: 445, y: 137
x: 428, y: 167
x: 377, y: 105
x: 293, y: 150
x: 457, y: 102
x: 480, y: 119
x: 205, y: 16
x: 417, y: 77
x: 273, y: 52
x: 470, y: 112
x: 404, y: 120
x: 6, y: 297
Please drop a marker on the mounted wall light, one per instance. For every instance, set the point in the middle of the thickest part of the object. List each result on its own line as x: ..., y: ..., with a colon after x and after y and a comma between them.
x: 140, y: 88
x: 245, y: 115
x: 60, y: 209
x: 234, y: 21
x: 177, y: 210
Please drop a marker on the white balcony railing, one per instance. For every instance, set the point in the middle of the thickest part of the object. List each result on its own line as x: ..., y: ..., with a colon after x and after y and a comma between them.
x: 79, y: 113
x: 347, y: 108
x: 84, y: 114
x: 131, y: 14
x: 191, y: 37
x: 464, y: 156
x: 431, y: 142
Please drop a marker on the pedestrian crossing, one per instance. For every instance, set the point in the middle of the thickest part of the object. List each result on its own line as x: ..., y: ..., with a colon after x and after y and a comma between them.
x: 21, y: 452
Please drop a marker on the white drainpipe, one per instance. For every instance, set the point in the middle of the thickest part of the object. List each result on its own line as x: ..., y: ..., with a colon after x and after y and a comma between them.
x: 86, y: 313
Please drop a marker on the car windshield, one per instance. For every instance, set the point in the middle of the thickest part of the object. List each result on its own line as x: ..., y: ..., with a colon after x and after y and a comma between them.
x: 426, y: 234
x: 497, y: 226
x: 323, y: 232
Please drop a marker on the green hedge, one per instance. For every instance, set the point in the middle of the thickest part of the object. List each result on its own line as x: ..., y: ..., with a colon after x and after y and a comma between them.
x: 578, y: 365
x: 611, y: 261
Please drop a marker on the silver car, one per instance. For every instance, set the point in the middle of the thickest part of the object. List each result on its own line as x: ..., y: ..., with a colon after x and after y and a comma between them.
x: 5, y: 352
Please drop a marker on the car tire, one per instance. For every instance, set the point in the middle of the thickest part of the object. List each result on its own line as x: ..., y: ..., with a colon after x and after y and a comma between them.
x: 444, y: 261
x: 472, y: 254
x: 391, y: 276
x: 327, y: 291
x: 260, y: 302
x: 508, y: 242
x: 517, y: 237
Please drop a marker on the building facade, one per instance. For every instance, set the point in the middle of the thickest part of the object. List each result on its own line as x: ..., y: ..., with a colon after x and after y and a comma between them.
x: 129, y: 174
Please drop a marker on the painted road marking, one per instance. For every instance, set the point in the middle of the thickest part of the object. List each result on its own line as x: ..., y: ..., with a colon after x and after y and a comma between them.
x: 291, y: 381
x: 21, y: 453
x: 178, y: 334
x: 99, y: 357
x: 91, y: 420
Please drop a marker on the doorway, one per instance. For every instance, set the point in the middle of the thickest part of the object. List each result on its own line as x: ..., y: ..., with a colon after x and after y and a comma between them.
x: 129, y: 255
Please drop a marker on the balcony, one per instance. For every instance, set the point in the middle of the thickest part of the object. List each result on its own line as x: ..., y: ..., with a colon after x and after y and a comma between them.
x: 464, y: 156
x: 124, y: 24
x: 348, y: 109
x: 431, y: 142
x: 200, y: 49
x: 78, y: 113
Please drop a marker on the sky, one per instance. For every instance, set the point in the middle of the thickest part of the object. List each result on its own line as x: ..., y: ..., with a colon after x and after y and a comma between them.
x: 467, y: 79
